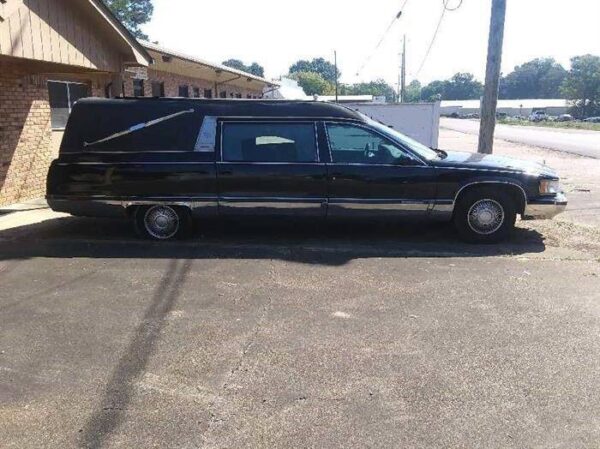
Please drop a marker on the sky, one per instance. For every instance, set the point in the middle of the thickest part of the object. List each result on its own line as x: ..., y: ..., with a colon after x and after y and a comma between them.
x: 278, y: 33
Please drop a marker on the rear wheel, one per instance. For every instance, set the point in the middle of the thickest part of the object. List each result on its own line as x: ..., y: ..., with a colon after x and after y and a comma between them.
x: 162, y: 222
x: 485, y: 216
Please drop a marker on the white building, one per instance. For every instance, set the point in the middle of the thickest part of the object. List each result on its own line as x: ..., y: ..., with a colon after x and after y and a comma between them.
x: 509, y: 107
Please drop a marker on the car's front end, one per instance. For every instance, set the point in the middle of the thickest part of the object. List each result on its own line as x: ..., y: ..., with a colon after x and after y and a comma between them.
x: 543, y: 196
x: 550, y: 202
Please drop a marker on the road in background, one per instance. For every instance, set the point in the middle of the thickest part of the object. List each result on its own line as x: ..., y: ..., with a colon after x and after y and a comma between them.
x: 576, y: 141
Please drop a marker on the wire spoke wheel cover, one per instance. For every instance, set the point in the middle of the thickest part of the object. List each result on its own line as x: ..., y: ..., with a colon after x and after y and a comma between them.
x: 485, y: 216
x: 161, y: 222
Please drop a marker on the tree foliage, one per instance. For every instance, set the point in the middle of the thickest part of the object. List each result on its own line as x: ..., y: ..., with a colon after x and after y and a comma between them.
x: 413, y: 92
x: 538, y: 78
x: 312, y: 83
x: 376, y: 88
x: 254, y: 68
x: 132, y: 14
x: 582, y: 85
x: 462, y: 86
x: 317, y: 65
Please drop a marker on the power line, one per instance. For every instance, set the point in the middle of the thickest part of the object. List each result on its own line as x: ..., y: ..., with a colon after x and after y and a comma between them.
x: 383, y: 36
x: 437, y: 29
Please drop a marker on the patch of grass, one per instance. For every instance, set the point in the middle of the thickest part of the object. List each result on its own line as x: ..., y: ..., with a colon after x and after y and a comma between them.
x: 548, y: 124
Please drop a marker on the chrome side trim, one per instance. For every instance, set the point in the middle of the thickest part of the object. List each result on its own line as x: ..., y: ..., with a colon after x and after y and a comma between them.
x: 281, y: 205
x: 381, y: 206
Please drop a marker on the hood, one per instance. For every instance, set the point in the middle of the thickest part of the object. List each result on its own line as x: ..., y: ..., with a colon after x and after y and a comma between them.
x: 492, y: 162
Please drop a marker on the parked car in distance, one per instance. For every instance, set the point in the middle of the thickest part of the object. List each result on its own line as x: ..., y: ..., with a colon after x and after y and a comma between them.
x: 164, y: 162
x: 564, y: 118
x: 538, y: 116
x: 592, y: 120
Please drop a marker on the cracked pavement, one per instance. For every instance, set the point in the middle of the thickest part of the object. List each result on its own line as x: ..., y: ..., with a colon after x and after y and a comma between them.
x: 293, y: 336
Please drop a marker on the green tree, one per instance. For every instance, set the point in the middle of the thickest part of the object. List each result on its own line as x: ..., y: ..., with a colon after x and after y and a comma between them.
x: 376, y: 88
x: 462, y: 86
x: 254, y: 68
x: 433, y: 91
x: 413, y: 92
x: 538, y: 78
x: 313, y: 83
x: 317, y: 65
x: 132, y: 14
x: 582, y: 84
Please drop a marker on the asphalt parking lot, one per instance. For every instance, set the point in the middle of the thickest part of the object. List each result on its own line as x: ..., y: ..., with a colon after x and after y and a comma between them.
x: 296, y: 336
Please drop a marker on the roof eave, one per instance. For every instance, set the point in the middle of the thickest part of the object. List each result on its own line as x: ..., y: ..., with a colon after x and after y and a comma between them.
x: 142, y: 57
x: 216, y: 67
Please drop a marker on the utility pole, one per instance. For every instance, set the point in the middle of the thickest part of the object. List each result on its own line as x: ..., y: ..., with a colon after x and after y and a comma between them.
x: 492, y: 77
x: 403, y: 72
x: 336, y: 74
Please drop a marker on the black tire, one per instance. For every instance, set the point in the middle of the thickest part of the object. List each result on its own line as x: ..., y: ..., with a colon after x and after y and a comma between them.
x: 485, y: 215
x: 162, y: 222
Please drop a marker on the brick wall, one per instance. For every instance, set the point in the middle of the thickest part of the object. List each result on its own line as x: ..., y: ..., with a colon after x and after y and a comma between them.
x: 24, y: 136
x: 173, y: 81
x: 25, y: 132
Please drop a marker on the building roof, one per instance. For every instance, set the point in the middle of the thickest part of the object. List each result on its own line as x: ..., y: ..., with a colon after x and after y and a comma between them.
x: 212, y: 71
x: 141, y: 55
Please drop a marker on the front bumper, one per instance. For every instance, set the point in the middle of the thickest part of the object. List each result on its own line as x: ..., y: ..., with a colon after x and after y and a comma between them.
x: 545, y: 208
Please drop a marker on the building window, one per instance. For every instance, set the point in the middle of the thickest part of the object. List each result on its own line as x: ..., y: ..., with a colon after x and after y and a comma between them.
x: 207, y: 93
x: 158, y: 89
x: 62, y: 96
x: 138, y: 88
x: 184, y: 91
x: 196, y: 92
x: 223, y: 94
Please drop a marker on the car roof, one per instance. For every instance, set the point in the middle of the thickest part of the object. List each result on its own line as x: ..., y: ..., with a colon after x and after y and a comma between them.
x: 232, y: 107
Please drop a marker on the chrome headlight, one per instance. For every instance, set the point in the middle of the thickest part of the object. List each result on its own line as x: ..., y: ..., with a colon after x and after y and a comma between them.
x: 549, y: 187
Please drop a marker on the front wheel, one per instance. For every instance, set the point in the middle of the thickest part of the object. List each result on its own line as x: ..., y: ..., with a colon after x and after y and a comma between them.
x: 162, y: 222
x: 485, y: 216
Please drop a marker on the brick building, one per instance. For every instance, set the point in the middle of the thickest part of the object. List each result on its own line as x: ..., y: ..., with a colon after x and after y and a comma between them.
x: 53, y: 52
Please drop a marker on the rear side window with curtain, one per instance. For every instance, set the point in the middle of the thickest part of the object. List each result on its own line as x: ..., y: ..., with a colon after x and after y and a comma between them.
x: 269, y: 142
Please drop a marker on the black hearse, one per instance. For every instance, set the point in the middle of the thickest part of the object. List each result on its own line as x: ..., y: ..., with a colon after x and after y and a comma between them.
x: 163, y: 162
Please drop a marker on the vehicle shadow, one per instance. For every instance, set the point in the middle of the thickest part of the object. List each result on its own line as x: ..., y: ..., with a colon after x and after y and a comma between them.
x: 305, y: 242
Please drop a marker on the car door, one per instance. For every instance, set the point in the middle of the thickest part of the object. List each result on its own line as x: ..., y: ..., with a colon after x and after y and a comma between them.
x: 369, y: 174
x: 271, y: 167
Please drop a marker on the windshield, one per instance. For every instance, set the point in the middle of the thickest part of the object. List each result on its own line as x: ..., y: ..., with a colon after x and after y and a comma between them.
x: 412, y: 144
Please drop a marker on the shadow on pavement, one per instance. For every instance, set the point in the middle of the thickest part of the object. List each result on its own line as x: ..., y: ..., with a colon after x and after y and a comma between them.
x: 119, y: 390
x: 304, y: 242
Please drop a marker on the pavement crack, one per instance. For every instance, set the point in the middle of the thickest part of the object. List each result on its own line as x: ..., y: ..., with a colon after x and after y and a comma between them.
x: 214, y: 417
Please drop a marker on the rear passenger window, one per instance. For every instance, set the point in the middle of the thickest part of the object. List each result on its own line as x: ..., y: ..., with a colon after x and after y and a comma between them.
x: 269, y: 142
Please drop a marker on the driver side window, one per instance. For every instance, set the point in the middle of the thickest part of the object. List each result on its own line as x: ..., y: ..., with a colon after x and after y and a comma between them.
x: 357, y: 145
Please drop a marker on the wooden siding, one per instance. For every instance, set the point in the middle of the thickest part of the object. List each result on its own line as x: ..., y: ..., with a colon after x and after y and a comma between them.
x: 56, y: 31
